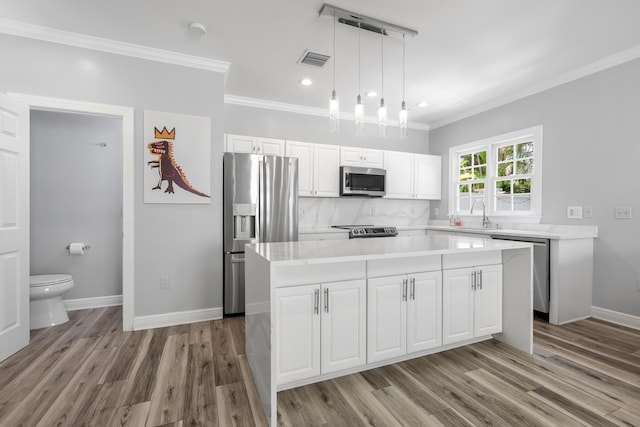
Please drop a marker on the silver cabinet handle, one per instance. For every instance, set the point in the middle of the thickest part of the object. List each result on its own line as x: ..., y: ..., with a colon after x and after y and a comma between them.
x: 473, y: 279
x: 326, y: 300
x: 480, y: 281
x: 316, y: 301
x: 404, y: 289
x: 413, y: 288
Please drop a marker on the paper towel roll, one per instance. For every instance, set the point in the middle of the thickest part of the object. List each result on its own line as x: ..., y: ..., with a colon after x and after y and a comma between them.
x: 76, y: 248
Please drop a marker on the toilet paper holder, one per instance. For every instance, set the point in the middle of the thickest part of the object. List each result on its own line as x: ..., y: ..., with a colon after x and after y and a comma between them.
x: 85, y: 247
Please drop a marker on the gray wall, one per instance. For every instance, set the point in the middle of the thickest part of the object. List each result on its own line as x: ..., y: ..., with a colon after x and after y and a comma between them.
x: 243, y: 120
x: 180, y: 241
x: 590, y: 158
x: 76, y: 196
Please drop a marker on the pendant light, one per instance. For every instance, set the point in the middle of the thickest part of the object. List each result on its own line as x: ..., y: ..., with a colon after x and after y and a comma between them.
x: 403, y: 116
x: 382, y: 109
x: 334, y: 104
x: 358, y: 115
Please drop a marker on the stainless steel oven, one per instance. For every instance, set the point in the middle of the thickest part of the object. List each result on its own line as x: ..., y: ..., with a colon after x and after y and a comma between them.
x: 358, y: 181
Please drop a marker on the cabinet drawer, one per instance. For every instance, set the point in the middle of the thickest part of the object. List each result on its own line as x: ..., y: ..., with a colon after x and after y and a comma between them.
x: 471, y: 259
x: 289, y: 275
x: 405, y: 265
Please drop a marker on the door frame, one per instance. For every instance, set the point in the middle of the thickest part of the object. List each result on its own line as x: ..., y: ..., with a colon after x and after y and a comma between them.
x: 41, y: 103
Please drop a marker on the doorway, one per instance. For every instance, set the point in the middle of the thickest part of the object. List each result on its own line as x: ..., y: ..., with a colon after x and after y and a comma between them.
x: 126, y: 115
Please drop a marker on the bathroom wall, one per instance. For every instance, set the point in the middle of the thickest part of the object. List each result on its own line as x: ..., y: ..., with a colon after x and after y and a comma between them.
x: 76, y: 196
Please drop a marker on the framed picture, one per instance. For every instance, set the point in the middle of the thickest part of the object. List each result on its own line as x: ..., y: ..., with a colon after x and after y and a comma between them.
x: 177, y: 158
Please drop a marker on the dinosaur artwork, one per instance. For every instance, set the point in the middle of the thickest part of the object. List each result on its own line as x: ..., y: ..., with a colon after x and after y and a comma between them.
x: 168, y: 169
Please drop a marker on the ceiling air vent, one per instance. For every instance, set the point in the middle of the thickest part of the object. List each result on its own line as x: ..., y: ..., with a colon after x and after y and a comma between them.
x: 313, y: 58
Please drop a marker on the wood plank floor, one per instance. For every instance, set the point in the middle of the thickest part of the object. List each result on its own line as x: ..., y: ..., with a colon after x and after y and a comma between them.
x: 88, y: 372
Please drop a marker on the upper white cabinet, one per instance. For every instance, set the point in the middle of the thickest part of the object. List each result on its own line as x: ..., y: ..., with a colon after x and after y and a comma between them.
x: 318, y: 168
x: 413, y: 176
x: 364, y: 157
x: 254, y: 145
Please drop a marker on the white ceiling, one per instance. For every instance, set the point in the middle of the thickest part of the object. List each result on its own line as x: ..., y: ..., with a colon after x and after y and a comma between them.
x: 469, y: 55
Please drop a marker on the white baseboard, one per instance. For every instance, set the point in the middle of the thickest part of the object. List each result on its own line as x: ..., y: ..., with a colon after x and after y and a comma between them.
x: 95, y: 302
x: 176, y: 318
x: 623, y: 319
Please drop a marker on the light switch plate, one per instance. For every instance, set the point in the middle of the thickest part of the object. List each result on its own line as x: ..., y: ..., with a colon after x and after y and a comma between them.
x: 574, y: 212
x: 587, y: 212
x: 622, y: 212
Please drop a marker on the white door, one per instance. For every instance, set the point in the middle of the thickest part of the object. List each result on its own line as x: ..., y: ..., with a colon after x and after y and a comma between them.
x: 488, y: 301
x: 14, y: 226
x: 350, y: 156
x: 428, y: 170
x: 270, y: 146
x: 399, y: 180
x: 326, y: 166
x: 386, y: 318
x: 303, y: 151
x: 372, y: 158
x: 424, y: 311
x: 343, y: 325
x: 298, y: 333
x: 457, y: 305
x: 240, y: 144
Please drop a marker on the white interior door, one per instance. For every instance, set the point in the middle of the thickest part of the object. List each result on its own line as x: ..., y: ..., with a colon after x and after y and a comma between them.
x: 14, y: 226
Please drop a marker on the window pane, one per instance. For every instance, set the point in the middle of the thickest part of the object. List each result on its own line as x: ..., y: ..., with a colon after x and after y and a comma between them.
x: 505, y: 153
x: 480, y: 158
x: 522, y: 203
x: 503, y: 203
x: 465, y: 160
x: 505, y: 169
x: 477, y: 187
x: 525, y: 149
x: 524, y: 166
x: 480, y: 172
x: 522, y: 185
x: 463, y: 188
x: 503, y: 187
x: 465, y: 174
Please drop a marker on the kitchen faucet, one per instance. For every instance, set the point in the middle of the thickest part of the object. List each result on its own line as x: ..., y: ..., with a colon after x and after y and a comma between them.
x: 485, y: 219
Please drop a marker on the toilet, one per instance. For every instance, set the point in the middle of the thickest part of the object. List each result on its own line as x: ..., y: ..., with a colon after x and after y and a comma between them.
x: 45, y: 294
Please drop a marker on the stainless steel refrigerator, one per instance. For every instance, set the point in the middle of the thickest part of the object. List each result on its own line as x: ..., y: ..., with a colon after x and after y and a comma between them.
x: 260, y: 204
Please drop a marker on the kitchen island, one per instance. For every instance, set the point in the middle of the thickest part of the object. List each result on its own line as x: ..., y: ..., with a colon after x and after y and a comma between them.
x: 320, y: 309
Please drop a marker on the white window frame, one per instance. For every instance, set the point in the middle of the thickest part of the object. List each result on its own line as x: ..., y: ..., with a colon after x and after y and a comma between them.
x: 489, y: 144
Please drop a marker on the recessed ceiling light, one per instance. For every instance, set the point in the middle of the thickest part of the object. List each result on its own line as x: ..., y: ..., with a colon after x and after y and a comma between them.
x: 423, y: 104
x: 372, y: 94
x: 306, y: 82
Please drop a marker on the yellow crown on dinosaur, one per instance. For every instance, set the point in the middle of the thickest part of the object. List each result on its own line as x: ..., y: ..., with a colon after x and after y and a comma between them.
x: 165, y: 134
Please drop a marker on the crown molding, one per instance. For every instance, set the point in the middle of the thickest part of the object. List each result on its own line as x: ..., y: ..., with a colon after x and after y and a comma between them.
x: 301, y: 109
x: 578, y: 73
x: 23, y: 29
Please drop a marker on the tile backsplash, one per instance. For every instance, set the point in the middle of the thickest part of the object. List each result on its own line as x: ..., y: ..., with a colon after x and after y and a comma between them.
x: 317, y: 212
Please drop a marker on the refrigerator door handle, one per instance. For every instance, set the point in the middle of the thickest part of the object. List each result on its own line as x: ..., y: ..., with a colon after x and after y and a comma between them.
x: 261, y: 204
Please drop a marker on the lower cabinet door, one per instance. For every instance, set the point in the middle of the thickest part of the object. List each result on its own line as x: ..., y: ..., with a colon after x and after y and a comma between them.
x: 457, y: 305
x: 343, y: 325
x: 488, y: 301
x: 424, y: 311
x: 298, y: 333
x: 386, y: 318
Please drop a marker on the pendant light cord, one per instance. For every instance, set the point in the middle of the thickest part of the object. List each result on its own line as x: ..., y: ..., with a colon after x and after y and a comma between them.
x: 382, y: 60
x: 359, y: 59
x: 334, y: 51
x: 403, y: 55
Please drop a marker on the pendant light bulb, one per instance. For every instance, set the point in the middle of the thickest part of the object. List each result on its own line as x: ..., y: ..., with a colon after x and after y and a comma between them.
x: 334, y: 104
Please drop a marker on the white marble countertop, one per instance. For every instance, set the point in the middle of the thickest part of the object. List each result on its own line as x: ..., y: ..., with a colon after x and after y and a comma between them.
x: 321, y: 251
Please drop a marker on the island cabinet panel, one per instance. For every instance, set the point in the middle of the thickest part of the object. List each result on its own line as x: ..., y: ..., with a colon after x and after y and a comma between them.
x: 321, y: 329
x: 404, y: 314
x: 471, y: 302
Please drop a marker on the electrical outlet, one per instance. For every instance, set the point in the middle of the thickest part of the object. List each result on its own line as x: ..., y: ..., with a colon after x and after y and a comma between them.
x: 164, y: 282
x: 622, y: 212
x: 574, y: 212
x: 302, y: 212
x: 638, y: 283
x: 373, y: 211
x: 587, y: 212
x: 436, y: 211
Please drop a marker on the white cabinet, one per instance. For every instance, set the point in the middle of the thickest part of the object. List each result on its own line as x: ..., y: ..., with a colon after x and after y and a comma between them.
x: 320, y: 329
x: 364, y: 157
x: 471, y: 302
x: 413, y: 176
x: 254, y: 145
x: 318, y: 168
x: 403, y: 314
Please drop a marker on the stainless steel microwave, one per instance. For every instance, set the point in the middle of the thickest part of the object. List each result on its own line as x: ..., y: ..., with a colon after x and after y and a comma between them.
x: 358, y: 181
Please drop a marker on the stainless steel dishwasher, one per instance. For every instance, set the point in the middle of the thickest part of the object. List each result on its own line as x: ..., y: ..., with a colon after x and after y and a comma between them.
x: 540, y: 270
